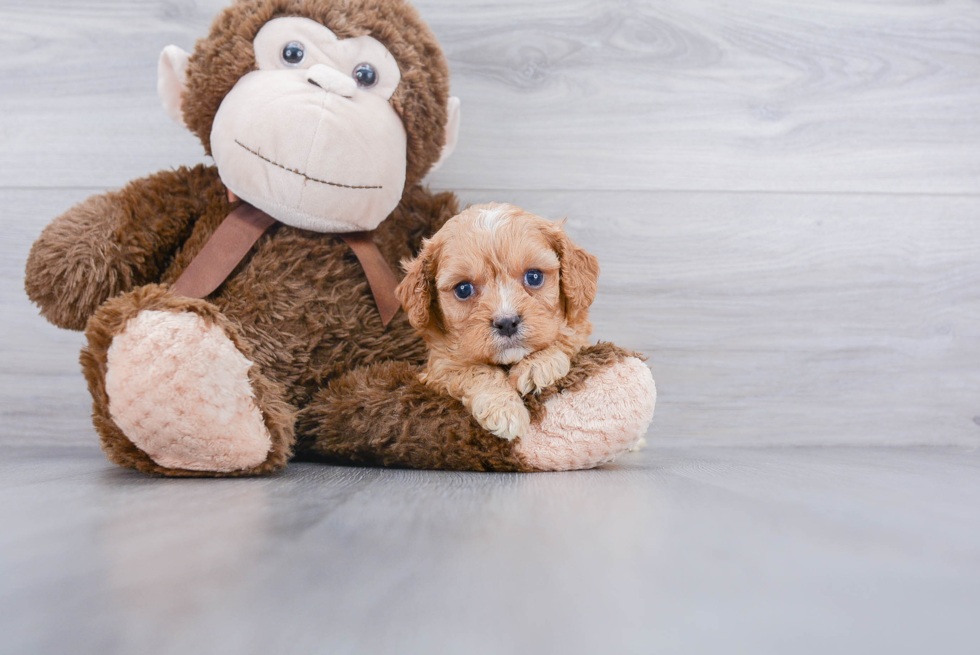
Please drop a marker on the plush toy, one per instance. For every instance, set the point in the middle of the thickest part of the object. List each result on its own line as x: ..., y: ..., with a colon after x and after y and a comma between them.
x: 240, y: 314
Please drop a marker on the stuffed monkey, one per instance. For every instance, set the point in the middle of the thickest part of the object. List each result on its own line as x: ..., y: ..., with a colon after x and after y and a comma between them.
x: 322, y: 117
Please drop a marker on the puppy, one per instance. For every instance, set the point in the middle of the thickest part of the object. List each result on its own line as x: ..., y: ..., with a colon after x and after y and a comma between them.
x: 501, y: 298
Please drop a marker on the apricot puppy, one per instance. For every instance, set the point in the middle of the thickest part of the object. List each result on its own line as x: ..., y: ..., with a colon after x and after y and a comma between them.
x: 501, y: 297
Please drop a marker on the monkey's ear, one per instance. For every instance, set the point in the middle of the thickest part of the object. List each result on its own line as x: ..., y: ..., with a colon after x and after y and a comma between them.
x: 452, y: 134
x: 172, y: 81
x: 414, y: 292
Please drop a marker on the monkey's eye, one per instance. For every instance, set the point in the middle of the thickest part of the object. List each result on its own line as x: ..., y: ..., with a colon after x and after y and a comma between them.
x: 534, y: 278
x: 463, y: 290
x: 293, y: 53
x: 366, y: 76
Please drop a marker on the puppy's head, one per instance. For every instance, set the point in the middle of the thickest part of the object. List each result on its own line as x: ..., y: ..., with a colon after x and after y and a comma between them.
x: 496, y: 284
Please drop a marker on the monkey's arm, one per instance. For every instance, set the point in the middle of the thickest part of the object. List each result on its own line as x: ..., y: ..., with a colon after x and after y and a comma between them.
x: 112, y: 243
x: 382, y: 415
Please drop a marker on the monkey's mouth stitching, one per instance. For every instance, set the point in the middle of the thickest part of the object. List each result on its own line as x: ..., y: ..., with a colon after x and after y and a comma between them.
x: 304, y: 175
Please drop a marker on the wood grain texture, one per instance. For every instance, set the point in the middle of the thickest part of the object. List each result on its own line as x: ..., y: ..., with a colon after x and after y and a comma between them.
x: 710, y: 550
x: 820, y: 95
x: 784, y: 198
x: 768, y: 318
x: 790, y: 318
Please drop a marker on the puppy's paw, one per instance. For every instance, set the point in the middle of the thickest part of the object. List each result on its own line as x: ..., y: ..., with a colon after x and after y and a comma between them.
x: 504, y: 416
x: 532, y: 374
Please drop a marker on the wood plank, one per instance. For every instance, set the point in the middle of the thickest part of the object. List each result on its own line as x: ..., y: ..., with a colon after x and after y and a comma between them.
x: 675, y: 550
x: 798, y: 319
x: 772, y: 95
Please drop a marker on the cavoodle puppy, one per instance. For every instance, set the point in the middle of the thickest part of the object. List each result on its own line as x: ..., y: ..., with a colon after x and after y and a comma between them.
x: 501, y: 297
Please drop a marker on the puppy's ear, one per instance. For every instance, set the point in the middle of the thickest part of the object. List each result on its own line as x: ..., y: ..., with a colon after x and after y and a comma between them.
x: 579, y: 273
x: 415, y: 291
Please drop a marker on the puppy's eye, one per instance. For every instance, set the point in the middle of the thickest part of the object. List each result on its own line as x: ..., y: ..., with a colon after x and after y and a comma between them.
x: 534, y: 278
x: 463, y: 290
x: 366, y: 76
x: 293, y: 53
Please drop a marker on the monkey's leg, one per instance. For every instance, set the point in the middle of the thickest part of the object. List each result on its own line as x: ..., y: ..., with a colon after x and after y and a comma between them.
x: 599, y: 411
x: 174, y: 391
x: 382, y: 415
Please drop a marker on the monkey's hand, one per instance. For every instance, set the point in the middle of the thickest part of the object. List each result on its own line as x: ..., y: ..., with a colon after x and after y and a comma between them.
x: 112, y: 243
x: 539, y: 370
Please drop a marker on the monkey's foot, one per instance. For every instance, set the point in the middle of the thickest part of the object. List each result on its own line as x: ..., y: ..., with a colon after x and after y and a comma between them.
x: 175, y: 393
x: 592, y: 425
x: 179, y: 389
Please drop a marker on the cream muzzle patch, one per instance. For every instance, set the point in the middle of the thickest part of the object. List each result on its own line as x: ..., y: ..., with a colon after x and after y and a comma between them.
x: 310, y: 136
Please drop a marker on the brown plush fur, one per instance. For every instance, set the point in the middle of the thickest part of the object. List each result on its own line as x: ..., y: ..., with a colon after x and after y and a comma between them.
x: 115, y: 242
x: 382, y: 416
x: 299, y: 305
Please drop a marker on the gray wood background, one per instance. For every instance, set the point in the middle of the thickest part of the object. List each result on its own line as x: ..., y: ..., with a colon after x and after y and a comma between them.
x: 785, y: 196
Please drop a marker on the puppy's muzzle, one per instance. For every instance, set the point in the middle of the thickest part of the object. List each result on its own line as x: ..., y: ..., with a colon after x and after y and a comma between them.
x: 507, y: 326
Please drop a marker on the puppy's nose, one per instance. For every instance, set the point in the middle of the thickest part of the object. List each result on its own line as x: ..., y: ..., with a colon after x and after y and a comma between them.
x: 506, y: 326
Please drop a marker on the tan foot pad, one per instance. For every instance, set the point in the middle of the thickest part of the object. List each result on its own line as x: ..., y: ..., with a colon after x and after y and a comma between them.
x: 595, y: 424
x: 179, y: 390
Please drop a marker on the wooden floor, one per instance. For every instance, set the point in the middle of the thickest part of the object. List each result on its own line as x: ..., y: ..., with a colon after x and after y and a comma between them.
x: 675, y: 550
x: 785, y: 198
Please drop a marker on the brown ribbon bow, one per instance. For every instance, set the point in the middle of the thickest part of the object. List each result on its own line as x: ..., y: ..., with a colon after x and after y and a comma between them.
x: 240, y: 230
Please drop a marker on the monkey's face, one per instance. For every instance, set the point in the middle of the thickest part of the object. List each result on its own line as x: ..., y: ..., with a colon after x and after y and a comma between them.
x: 310, y: 136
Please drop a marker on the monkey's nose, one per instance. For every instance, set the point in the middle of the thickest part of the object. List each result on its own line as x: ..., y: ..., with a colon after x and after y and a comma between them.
x: 331, y: 80
x: 507, y: 326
